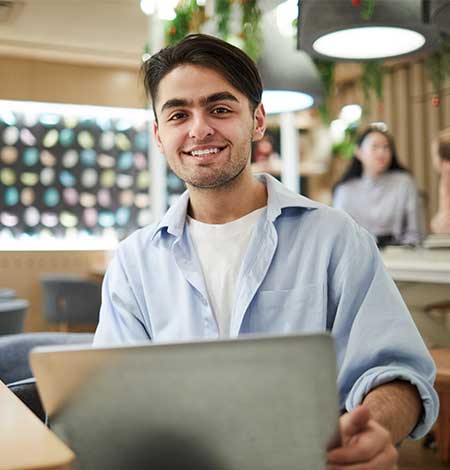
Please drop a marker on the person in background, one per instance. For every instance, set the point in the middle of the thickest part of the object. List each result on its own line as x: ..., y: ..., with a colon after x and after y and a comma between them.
x: 265, y: 159
x: 440, y: 150
x: 379, y: 193
x: 241, y: 254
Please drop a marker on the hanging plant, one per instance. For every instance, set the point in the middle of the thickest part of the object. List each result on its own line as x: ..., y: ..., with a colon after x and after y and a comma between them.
x: 372, y: 79
x: 222, y: 9
x: 326, y: 73
x: 189, y: 18
x: 367, y: 8
x: 346, y: 148
x: 251, y: 28
x: 437, y: 67
x: 178, y: 28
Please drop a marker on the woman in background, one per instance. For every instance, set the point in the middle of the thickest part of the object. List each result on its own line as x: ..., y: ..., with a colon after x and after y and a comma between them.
x: 379, y: 193
x: 440, y: 151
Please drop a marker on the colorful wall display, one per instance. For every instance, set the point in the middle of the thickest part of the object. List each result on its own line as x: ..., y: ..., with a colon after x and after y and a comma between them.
x: 63, y: 171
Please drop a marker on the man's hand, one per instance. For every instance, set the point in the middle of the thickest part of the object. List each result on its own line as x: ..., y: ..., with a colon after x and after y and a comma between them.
x: 366, y: 445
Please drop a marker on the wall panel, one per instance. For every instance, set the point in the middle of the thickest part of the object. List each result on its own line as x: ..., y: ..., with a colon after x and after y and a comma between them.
x: 34, y: 80
x: 418, y: 142
x: 401, y: 104
x: 21, y: 270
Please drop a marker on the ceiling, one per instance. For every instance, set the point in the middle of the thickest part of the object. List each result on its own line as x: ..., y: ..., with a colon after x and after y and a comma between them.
x: 107, y: 32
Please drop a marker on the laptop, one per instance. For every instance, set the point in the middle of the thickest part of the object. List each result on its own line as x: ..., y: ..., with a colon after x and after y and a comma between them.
x: 235, y: 404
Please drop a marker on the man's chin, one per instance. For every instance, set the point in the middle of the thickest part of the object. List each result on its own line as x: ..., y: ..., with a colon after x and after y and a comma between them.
x: 214, y: 182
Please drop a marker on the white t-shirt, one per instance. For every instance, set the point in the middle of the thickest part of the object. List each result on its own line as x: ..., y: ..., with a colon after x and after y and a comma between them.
x: 221, y: 249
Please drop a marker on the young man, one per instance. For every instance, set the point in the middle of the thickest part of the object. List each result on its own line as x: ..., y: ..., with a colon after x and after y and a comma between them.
x: 241, y: 254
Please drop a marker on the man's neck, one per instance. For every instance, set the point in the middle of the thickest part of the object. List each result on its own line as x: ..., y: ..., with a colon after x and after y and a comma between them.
x: 225, y: 204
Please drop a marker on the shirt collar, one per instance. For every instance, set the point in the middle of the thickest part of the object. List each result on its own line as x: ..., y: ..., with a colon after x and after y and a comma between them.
x: 278, y: 198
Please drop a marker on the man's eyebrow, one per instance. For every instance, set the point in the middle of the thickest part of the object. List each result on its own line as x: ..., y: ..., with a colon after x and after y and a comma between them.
x: 179, y: 102
x: 221, y: 96
x: 174, y: 103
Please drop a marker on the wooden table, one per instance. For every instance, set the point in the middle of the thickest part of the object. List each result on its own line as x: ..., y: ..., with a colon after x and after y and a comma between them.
x: 25, y: 442
x: 442, y: 359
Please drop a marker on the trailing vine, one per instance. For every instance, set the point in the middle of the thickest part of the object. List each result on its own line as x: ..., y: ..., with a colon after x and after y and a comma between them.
x: 222, y: 9
x: 367, y: 8
x: 251, y: 28
x: 326, y: 73
x: 372, y: 79
x: 438, y: 68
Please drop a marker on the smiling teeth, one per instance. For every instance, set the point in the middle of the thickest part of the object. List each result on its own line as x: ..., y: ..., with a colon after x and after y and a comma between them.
x: 197, y: 153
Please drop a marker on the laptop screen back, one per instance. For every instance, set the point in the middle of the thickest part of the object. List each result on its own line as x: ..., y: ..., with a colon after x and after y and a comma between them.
x: 240, y: 404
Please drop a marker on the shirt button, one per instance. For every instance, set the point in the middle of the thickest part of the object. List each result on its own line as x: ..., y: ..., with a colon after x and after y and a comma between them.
x: 204, y: 302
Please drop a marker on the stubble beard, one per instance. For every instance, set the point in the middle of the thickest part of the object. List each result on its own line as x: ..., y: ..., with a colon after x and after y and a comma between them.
x: 207, y: 178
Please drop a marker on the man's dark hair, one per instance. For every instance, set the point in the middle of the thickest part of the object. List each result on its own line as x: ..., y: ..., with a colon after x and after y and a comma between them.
x: 206, y: 51
x: 355, y: 169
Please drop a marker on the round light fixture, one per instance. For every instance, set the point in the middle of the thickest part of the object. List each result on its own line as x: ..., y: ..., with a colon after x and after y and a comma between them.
x: 148, y: 6
x: 283, y: 101
x: 369, y: 42
x: 351, y: 113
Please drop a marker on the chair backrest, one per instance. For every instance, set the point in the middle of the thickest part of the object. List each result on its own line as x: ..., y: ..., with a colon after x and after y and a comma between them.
x: 14, y: 351
x: 7, y: 294
x: 15, y: 369
x: 26, y: 391
x: 12, y: 316
x: 70, y: 299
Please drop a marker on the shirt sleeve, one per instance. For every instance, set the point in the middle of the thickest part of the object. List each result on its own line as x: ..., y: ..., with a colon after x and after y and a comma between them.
x: 120, y: 319
x: 376, y: 339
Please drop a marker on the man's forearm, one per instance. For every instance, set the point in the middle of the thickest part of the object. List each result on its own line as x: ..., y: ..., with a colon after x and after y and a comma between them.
x: 396, y: 406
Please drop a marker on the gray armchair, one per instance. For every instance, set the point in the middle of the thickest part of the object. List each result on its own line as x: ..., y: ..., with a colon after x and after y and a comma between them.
x: 70, y: 300
x: 15, y: 369
x: 12, y: 316
x: 7, y: 294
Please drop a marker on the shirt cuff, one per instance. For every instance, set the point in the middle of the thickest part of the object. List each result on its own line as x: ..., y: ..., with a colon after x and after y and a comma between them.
x: 379, y: 376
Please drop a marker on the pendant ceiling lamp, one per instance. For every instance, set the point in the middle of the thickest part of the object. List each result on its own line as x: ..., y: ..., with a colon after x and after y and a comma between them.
x: 440, y: 14
x: 290, y: 78
x: 337, y: 29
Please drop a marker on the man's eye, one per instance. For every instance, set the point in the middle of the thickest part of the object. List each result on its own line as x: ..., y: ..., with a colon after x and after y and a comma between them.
x: 177, y: 116
x: 220, y: 110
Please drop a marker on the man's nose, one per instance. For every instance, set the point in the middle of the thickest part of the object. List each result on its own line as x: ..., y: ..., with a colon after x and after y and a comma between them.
x: 200, y: 128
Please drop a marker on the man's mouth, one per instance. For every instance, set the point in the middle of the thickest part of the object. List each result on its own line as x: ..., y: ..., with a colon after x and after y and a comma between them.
x: 205, y: 151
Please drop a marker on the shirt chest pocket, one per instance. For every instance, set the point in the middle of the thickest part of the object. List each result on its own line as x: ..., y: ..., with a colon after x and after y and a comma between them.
x: 288, y: 311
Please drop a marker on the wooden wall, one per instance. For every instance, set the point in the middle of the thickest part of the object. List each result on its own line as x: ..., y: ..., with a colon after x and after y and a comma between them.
x: 38, y: 80
x: 407, y: 109
x: 21, y: 270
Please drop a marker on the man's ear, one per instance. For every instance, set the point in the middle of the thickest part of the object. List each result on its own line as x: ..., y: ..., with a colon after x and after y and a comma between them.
x: 157, y: 137
x: 259, y: 123
x: 358, y: 153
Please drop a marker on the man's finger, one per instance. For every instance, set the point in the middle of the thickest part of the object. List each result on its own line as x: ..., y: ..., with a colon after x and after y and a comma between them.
x: 386, y: 460
x: 369, y: 443
x: 354, y: 422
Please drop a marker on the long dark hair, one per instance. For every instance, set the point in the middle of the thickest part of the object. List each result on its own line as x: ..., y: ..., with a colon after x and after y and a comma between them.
x: 355, y: 169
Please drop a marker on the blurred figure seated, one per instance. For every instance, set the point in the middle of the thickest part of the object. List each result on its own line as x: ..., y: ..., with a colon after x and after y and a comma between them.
x: 379, y: 193
x: 440, y: 150
x: 265, y: 159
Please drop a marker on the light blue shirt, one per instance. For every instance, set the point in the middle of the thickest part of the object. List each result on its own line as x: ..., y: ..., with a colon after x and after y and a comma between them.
x: 308, y: 268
